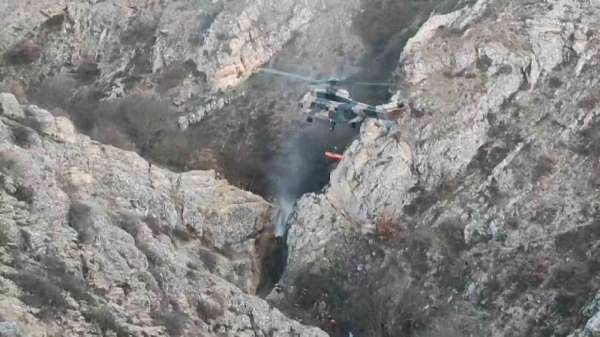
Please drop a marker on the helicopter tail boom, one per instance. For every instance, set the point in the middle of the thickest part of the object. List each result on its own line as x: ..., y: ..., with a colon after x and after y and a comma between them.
x: 391, y: 111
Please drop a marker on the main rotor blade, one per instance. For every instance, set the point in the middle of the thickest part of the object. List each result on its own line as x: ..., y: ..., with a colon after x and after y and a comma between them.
x: 367, y: 84
x: 286, y: 74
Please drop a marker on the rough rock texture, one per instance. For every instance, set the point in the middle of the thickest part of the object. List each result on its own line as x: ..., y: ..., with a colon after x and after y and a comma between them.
x: 479, y: 214
x: 95, y: 241
x: 198, y: 56
x: 187, y: 50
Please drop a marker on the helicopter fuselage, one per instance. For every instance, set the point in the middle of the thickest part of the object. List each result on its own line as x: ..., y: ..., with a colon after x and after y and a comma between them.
x: 327, y: 101
x: 336, y: 106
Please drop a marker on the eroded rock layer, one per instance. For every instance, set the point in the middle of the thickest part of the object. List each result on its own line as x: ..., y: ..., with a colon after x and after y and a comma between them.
x: 96, y: 241
x: 478, y: 214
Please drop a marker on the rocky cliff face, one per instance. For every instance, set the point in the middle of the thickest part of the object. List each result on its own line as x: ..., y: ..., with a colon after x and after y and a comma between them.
x: 96, y: 241
x: 194, y: 55
x: 199, y: 57
x: 478, y: 214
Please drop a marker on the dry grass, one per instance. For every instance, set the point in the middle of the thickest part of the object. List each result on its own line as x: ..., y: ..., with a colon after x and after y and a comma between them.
x: 389, y: 227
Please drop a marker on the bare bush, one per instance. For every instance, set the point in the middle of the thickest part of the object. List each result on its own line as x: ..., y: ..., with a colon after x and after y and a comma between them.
x: 210, y: 307
x: 543, y: 167
x: 80, y: 219
x: 208, y: 258
x: 87, y: 70
x: 146, y: 124
x: 383, y: 19
x: 174, y: 321
x: 172, y: 76
x: 141, y: 29
x: 106, y: 321
x: 181, y: 233
x: 456, y: 325
x: 154, y: 224
x: 388, y: 226
x: 41, y: 292
x: 128, y: 222
x: 66, y: 279
x: 22, y: 136
x: 4, y: 238
x: 7, y: 162
x: 24, y: 193
x: 24, y: 53
x: 55, y: 92
x: 402, y: 314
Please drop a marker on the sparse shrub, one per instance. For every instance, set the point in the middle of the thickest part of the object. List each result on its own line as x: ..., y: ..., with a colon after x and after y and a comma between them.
x: 141, y: 29
x: 457, y: 323
x: 417, y: 244
x: 543, y: 167
x: 378, y: 313
x: 488, y: 156
x: 22, y: 136
x: 143, y: 119
x: 55, y: 21
x: 55, y: 92
x: 114, y: 137
x: 411, y: 312
x: 7, y: 163
x: 210, y: 307
x: 154, y: 258
x: 208, y: 258
x: 567, y: 274
x: 389, y: 227
x: 587, y: 141
x: 181, y: 233
x: 59, y: 272
x: 131, y: 123
x: 4, y: 238
x: 24, y: 193
x: 41, y: 292
x: 172, y: 76
x: 554, y: 82
x: 106, y: 321
x: 154, y: 224
x: 383, y: 18
x: 24, y: 53
x: 128, y: 222
x: 88, y: 69
x: 591, y: 101
x: 80, y: 219
x: 174, y: 321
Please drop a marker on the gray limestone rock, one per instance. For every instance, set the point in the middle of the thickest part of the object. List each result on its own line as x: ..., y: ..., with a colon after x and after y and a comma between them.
x: 114, y: 243
x: 483, y: 199
x: 10, y: 107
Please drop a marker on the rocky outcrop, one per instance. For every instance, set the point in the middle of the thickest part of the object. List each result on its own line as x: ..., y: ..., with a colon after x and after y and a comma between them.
x: 199, y: 58
x: 186, y: 50
x: 96, y: 241
x: 480, y: 207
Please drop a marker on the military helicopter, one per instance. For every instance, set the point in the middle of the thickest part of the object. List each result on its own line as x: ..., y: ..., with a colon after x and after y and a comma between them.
x: 326, y: 100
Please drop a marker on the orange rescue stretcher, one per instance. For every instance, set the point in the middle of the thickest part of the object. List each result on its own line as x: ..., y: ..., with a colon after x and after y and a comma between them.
x: 333, y: 156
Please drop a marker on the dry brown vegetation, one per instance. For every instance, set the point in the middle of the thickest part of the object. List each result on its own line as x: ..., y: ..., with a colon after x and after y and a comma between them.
x: 389, y: 227
x: 106, y: 321
x: 146, y: 124
x: 24, y: 53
